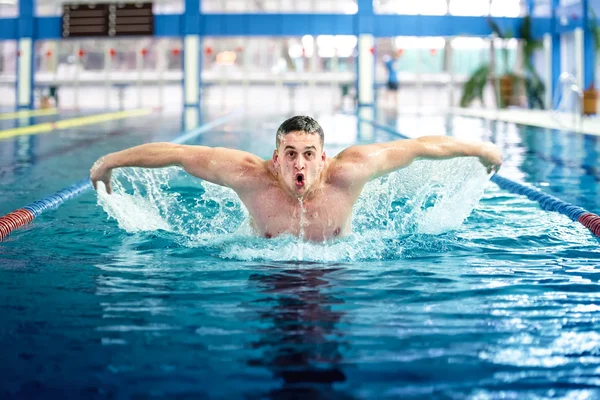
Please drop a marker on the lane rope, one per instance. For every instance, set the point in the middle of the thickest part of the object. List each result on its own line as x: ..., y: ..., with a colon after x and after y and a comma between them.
x: 25, y: 215
x: 551, y: 203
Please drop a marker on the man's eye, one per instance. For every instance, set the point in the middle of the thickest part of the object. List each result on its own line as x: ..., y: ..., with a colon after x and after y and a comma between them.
x: 291, y: 154
x: 309, y: 154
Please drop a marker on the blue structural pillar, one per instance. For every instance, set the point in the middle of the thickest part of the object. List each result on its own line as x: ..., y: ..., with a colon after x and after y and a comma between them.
x: 25, y: 70
x: 589, y: 51
x: 530, y: 6
x: 555, y: 68
x: 192, y: 64
x: 366, y: 67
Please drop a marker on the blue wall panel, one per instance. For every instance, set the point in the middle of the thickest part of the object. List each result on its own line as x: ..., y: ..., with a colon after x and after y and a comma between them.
x: 26, y: 19
x: 569, y: 17
x: 260, y: 23
x: 301, y: 24
x: 169, y: 25
x: 208, y: 25
x: 323, y: 23
x: 8, y: 28
x: 345, y: 25
x: 541, y: 26
x: 589, y: 50
x: 296, y: 25
x: 365, y: 24
x: 48, y: 28
x: 191, y: 24
x: 568, y: 25
x: 413, y: 25
x: 25, y: 27
x: 237, y: 25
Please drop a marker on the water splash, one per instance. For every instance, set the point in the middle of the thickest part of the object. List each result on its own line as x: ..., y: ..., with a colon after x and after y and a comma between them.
x: 303, y: 223
x: 390, y: 219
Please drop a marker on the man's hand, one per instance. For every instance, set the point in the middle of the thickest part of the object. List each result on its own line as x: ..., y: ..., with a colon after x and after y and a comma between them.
x: 491, y: 157
x: 101, y: 172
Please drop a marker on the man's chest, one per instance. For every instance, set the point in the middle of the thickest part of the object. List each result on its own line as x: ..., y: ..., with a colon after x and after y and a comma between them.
x: 326, y: 215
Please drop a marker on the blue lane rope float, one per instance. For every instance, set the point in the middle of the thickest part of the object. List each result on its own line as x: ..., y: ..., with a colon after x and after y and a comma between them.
x: 54, y: 200
x: 551, y: 203
x: 546, y: 202
x: 25, y: 215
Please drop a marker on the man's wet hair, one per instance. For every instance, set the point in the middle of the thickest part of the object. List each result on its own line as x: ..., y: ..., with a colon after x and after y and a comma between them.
x: 300, y: 123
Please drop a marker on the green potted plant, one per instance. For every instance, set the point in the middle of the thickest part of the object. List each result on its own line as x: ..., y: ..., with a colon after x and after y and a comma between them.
x: 534, y: 85
x: 590, y: 94
x: 508, y: 82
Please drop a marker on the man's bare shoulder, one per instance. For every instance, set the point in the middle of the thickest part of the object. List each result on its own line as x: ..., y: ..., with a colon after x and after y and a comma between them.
x: 237, y: 169
x: 251, y: 163
x: 251, y: 172
x: 348, y: 167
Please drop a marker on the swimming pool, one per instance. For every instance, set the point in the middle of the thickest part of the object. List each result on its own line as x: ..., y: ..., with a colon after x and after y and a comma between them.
x: 173, y: 299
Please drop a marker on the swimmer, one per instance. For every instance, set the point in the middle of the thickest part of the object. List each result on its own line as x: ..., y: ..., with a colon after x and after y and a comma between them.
x: 298, y: 191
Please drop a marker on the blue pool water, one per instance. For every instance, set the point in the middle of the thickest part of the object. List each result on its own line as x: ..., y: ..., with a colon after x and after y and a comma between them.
x: 452, y: 288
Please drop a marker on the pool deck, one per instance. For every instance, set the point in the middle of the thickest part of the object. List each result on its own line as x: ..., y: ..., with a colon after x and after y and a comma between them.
x: 541, y: 118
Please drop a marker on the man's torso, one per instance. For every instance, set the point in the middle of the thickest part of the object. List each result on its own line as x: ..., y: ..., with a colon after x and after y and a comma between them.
x: 323, y: 215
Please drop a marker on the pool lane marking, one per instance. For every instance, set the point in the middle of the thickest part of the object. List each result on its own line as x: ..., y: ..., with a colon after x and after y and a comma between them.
x: 25, y: 215
x: 72, y: 123
x: 28, y: 113
x: 65, y: 150
x: 546, y: 201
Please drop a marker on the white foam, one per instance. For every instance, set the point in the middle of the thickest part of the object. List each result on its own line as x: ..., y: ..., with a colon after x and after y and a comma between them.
x: 429, y: 197
x: 137, y: 211
x: 133, y: 214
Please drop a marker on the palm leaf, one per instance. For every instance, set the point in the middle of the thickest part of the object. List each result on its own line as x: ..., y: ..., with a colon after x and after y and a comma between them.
x: 495, y: 28
x: 593, y: 25
x: 475, y: 86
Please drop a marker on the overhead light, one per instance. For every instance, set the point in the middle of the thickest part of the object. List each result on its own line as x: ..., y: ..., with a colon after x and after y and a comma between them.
x: 9, y: 2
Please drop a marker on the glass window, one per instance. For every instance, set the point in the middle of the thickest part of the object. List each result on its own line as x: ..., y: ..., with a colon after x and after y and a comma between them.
x: 8, y: 72
x: 47, y: 8
x: 46, y: 57
x: 174, y: 60
x: 468, y: 54
x: 9, y: 9
x: 564, y: 3
x: 169, y: 7
x: 8, y: 58
x: 474, y: 8
x: 280, y: 6
x: 263, y: 59
x: 420, y: 54
x: 409, y: 7
x: 507, y: 8
x: 496, y: 8
x: 542, y: 9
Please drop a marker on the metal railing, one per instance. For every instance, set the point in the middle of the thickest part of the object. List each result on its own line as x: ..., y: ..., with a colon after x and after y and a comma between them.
x: 568, y: 103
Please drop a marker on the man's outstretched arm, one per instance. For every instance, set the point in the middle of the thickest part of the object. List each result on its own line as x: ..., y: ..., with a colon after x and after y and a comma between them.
x: 214, y: 164
x: 375, y: 160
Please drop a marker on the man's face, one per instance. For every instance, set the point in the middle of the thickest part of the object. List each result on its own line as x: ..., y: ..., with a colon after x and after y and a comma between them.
x: 299, y: 160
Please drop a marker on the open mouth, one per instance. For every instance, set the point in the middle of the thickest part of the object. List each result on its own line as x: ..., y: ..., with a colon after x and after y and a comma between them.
x: 300, y: 180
